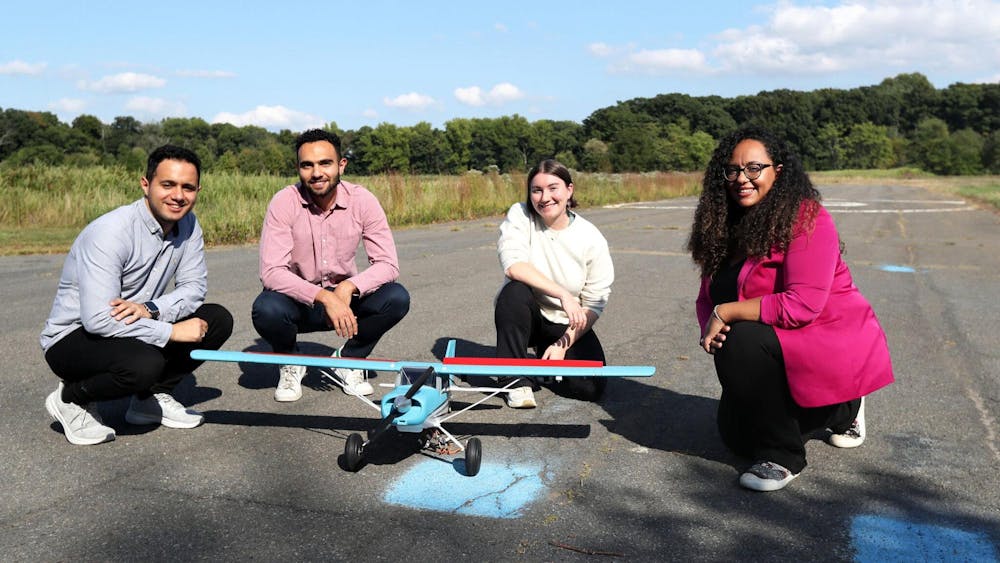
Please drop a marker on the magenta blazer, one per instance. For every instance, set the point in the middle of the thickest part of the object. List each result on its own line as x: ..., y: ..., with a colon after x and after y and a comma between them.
x: 834, y: 347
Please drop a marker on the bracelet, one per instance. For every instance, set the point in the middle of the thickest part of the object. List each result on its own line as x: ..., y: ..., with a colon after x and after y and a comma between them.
x: 715, y: 313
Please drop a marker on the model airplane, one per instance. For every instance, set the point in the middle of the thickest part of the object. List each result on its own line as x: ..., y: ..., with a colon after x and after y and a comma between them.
x: 420, y: 401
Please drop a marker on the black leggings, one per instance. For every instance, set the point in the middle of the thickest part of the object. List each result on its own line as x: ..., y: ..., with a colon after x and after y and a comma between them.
x: 520, y: 325
x: 757, y: 417
x: 96, y: 368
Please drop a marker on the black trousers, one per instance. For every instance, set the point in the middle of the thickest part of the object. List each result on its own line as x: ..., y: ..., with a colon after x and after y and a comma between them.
x: 757, y: 416
x: 96, y: 368
x: 520, y: 325
x: 279, y: 319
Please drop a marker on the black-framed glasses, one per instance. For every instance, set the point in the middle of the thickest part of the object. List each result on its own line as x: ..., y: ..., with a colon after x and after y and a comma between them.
x: 752, y: 171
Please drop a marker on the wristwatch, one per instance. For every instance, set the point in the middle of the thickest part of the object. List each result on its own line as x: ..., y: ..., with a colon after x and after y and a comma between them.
x: 152, y: 309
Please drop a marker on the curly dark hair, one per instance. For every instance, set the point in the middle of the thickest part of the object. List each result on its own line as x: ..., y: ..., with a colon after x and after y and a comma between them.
x: 722, y: 228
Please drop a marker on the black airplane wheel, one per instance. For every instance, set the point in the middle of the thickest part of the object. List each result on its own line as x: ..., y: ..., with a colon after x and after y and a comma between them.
x: 353, y: 454
x: 473, y: 456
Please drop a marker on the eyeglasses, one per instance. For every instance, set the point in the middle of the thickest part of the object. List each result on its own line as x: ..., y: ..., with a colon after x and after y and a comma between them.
x: 752, y: 171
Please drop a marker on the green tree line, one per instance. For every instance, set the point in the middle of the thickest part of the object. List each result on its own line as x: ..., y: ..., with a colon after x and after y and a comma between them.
x: 903, y: 121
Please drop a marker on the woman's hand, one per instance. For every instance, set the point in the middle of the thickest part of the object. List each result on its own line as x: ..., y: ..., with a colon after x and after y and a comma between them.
x: 555, y: 352
x: 715, y: 335
x: 576, y: 313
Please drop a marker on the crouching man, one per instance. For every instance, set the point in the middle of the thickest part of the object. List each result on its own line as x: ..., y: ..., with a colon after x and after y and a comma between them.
x: 115, y: 330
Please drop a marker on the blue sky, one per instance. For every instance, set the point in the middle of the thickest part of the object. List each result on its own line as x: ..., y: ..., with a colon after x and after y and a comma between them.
x: 284, y: 65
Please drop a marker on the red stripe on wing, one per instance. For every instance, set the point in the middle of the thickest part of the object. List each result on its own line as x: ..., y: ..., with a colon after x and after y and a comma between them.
x: 532, y: 362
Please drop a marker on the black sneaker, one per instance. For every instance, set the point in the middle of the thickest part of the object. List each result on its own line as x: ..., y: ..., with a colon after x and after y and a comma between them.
x: 766, y: 476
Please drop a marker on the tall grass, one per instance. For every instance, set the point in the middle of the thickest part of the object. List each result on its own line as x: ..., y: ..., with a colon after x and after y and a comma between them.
x: 43, y: 207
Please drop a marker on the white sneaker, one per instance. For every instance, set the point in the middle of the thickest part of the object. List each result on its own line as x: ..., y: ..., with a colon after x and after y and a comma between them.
x: 289, y: 383
x: 162, y: 408
x: 520, y: 398
x: 355, y: 380
x: 853, y: 436
x: 81, y: 425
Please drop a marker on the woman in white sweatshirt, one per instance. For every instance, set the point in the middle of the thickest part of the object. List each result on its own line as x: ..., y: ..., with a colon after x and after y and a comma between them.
x: 558, y: 277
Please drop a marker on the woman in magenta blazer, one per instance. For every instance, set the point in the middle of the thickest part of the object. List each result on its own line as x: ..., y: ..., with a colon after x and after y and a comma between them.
x: 796, y: 345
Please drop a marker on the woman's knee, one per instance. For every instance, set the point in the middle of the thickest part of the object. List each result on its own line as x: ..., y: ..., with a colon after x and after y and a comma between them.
x: 513, y: 304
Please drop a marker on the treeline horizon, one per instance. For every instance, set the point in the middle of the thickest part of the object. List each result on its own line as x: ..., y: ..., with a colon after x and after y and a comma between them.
x: 902, y: 121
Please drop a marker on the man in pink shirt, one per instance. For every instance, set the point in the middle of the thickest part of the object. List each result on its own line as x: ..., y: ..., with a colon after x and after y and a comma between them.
x: 311, y: 281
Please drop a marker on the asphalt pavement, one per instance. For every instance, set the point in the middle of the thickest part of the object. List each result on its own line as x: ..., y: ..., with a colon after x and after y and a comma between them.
x: 640, y: 475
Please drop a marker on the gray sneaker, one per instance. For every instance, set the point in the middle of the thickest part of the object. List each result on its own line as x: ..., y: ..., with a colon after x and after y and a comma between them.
x: 81, y: 425
x: 163, y: 409
x: 766, y: 476
x: 289, y: 383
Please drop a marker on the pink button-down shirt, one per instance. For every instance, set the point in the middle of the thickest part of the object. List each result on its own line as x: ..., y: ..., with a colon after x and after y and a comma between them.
x: 304, y: 249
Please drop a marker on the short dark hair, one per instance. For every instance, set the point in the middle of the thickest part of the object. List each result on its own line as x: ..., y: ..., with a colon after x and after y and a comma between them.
x: 555, y: 168
x: 171, y: 152
x: 314, y: 136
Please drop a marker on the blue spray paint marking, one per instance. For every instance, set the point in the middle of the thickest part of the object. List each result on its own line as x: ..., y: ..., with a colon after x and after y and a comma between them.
x: 894, y: 268
x: 498, y: 491
x: 878, y: 539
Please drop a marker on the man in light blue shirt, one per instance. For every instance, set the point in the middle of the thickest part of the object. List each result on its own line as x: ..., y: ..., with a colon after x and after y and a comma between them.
x: 115, y: 330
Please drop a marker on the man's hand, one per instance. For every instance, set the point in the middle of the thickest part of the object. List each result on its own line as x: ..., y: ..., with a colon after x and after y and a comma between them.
x: 337, y: 304
x: 190, y: 330
x: 128, y: 311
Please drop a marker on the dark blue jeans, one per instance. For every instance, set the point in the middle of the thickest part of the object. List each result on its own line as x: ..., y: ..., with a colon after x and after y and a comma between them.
x: 279, y: 319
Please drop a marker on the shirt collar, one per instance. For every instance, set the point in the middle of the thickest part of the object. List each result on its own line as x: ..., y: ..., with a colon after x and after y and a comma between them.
x: 341, y: 199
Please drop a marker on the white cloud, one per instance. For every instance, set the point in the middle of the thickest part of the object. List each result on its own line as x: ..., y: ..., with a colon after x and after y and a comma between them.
x: 155, y: 107
x: 68, y: 105
x: 471, y: 96
x: 600, y: 49
x: 658, y: 60
x: 21, y: 67
x: 935, y: 34
x: 801, y: 37
x: 498, y: 95
x: 370, y: 113
x: 206, y: 73
x: 272, y: 117
x: 504, y: 92
x: 124, y: 82
x: 411, y: 101
x: 500, y: 27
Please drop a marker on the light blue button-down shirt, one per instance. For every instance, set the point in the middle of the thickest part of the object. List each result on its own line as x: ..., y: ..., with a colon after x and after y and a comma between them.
x: 123, y: 253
